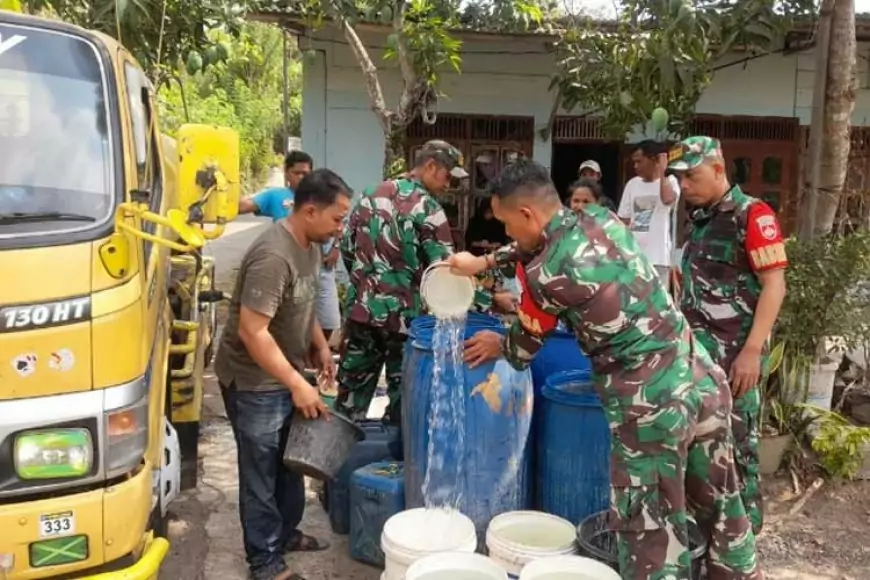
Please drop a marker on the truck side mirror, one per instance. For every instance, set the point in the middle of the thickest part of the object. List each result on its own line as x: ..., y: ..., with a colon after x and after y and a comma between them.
x: 204, y: 166
x: 175, y: 220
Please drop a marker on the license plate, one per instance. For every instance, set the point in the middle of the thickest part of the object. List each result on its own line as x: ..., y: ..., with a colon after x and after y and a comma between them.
x: 59, y: 524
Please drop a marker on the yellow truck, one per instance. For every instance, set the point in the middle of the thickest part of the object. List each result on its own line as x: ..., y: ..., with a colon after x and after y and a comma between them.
x: 106, y: 303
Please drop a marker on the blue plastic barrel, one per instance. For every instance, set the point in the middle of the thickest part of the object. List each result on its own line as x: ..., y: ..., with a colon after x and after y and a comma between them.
x: 573, y: 448
x: 559, y: 353
x: 480, y: 460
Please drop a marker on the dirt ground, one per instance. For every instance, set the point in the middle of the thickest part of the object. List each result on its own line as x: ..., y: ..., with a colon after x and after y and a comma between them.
x: 827, y: 539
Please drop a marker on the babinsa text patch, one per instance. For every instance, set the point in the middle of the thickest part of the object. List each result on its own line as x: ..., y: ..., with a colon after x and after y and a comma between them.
x: 30, y: 316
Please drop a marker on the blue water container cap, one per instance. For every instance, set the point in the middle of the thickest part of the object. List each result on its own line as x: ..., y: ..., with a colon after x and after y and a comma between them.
x: 388, y: 469
x: 386, y: 476
x: 574, y: 388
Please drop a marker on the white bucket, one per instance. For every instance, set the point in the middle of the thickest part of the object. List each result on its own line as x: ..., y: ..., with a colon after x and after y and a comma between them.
x: 416, y: 533
x: 446, y: 295
x: 516, y: 538
x: 568, y: 568
x: 450, y: 565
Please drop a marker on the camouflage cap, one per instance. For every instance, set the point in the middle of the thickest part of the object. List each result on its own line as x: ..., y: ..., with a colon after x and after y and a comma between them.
x: 451, y: 156
x: 692, y: 151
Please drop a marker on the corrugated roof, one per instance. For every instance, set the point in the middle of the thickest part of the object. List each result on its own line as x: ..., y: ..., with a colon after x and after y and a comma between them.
x: 283, y: 12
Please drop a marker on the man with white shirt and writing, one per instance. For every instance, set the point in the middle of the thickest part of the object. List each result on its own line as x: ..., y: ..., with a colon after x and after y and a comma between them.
x: 649, y: 203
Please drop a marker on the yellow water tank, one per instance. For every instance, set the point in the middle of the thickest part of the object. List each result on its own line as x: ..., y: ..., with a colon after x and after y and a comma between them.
x: 208, y: 158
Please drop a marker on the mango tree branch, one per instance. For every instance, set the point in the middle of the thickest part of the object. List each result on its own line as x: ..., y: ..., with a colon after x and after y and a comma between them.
x: 370, y: 72
x: 406, y: 66
x: 554, y: 111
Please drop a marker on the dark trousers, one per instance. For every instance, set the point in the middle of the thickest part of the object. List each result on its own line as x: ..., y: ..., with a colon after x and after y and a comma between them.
x: 271, y: 498
x: 365, y: 351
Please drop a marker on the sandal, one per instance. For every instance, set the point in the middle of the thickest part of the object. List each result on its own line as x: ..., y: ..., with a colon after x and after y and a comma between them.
x: 300, y: 542
x: 277, y: 571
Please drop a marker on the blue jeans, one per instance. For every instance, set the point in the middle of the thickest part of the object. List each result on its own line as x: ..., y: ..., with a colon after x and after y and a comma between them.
x: 271, y: 498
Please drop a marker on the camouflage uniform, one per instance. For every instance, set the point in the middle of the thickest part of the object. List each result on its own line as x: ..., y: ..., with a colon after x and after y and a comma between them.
x: 394, y: 232
x: 728, y: 244
x: 667, y: 403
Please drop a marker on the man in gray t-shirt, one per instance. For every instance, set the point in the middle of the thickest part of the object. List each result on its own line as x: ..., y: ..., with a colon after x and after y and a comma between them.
x: 278, y: 279
x: 271, y: 331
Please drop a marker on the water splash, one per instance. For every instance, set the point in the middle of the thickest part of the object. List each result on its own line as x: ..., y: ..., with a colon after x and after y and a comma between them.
x: 444, y: 479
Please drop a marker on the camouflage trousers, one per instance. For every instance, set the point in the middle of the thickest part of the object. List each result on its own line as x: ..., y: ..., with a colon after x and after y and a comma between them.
x: 745, y: 423
x: 673, y: 461
x: 365, y: 351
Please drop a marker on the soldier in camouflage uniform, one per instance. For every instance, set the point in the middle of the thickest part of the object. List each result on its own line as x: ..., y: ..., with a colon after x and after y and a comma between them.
x: 667, y: 403
x: 394, y: 232
x: 733, y: 286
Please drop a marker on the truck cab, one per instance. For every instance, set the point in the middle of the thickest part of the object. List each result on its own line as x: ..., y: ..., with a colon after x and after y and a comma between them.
x: 106, y: 302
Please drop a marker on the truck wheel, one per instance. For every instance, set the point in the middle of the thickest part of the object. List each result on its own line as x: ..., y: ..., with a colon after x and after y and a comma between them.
x: 168, y: 479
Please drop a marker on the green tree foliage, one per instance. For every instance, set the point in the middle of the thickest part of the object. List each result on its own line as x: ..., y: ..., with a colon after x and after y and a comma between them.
x: 828, y: 296
x: 244, y: 92
x: 161, y: 34
x: 661, y: 53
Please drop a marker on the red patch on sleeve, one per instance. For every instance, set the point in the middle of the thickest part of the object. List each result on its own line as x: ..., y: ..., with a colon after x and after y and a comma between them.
x: 764, y: 243
x: 534, y: 320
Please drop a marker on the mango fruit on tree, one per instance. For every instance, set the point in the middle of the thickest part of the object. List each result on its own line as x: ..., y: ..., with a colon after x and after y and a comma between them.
x: 660, y: 119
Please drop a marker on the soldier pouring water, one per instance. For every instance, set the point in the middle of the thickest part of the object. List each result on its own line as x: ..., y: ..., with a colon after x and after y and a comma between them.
x: 667, y: 403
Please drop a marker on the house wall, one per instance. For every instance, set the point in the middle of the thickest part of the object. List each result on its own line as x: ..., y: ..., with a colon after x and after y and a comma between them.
x: 510, y: 76
x: 340, y: 130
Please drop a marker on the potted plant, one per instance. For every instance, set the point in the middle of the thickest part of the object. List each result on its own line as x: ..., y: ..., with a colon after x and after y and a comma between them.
x: 783, y: 417
x: 819, y: 318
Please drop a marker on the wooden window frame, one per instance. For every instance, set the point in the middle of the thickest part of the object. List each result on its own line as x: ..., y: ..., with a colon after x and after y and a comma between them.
x: 459, y: 131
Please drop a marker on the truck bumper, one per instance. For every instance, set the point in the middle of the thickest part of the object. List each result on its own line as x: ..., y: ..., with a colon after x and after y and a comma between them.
x: 101, y: 529
x: 145, y: 569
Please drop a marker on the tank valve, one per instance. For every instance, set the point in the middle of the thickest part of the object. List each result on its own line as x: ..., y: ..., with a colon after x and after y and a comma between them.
x: 211, y: 296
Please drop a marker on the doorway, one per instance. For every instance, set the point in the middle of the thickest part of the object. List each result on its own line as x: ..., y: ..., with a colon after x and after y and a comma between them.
x: 567, y: 157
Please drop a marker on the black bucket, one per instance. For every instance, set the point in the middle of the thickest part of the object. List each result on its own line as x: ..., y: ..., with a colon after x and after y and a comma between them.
x: 597, y: 541
x: 317, y: 447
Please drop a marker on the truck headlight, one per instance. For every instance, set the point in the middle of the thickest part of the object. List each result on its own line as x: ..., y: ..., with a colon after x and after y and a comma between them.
x: 126, y: 437
x: 53, y: 453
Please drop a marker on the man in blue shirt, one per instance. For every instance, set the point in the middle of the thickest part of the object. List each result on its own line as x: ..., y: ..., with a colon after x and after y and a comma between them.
x: 277, y: 203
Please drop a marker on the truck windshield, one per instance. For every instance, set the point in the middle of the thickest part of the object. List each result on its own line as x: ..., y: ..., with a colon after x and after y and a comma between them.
x: 55, y: 165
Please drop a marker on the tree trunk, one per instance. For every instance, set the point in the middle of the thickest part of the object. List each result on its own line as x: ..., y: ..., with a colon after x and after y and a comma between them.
x: 808, y: 195
x: 840, y: 92
x: 394, y: 151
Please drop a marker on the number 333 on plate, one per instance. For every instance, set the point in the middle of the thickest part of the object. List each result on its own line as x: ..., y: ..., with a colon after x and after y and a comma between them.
x: 59, y: 524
